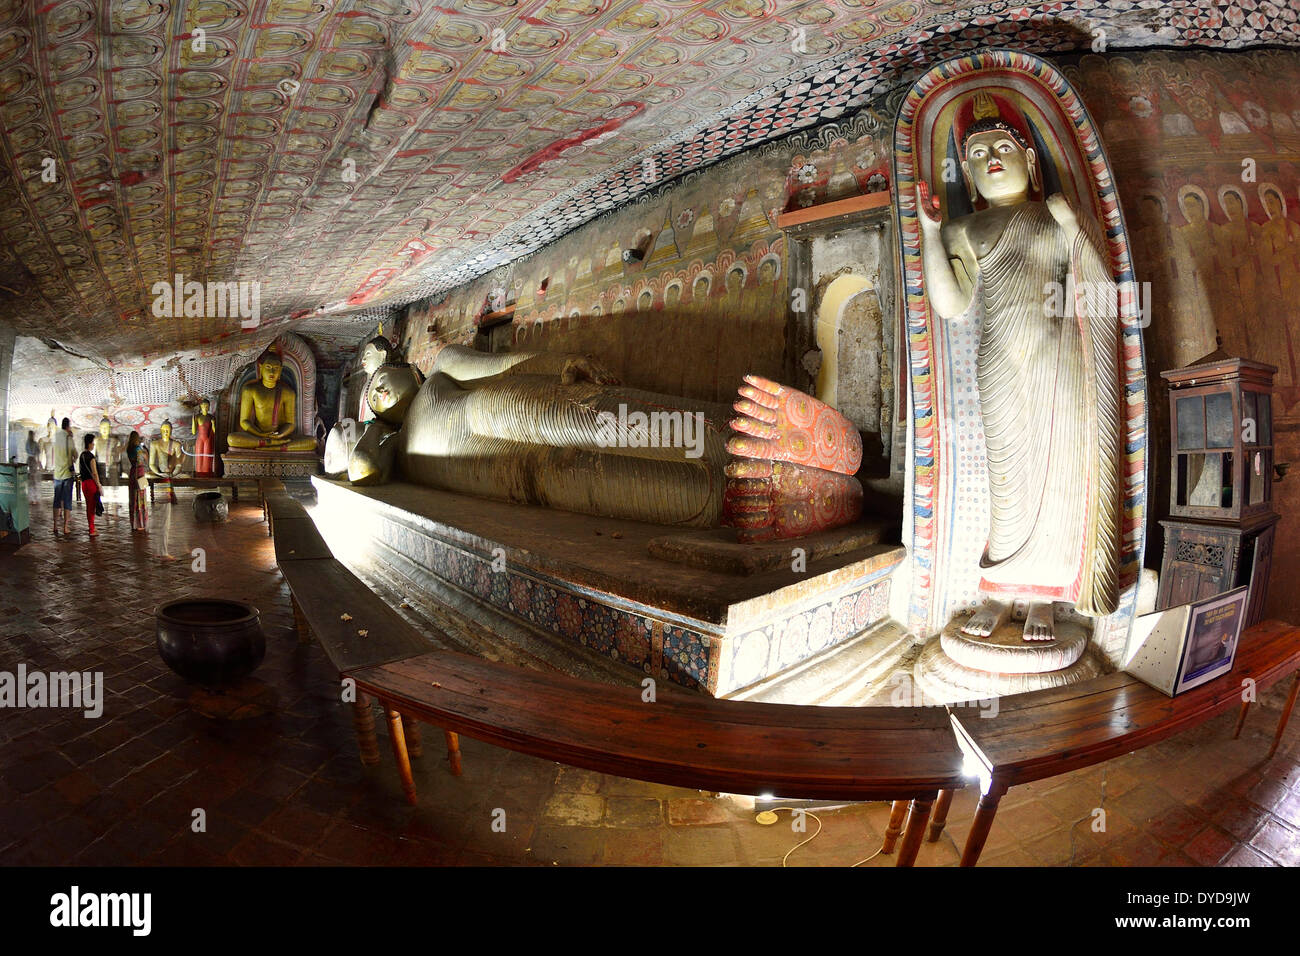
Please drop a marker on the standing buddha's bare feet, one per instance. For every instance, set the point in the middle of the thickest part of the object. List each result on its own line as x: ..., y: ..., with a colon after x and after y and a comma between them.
x: 1038, y: 623
x: 987, y: 619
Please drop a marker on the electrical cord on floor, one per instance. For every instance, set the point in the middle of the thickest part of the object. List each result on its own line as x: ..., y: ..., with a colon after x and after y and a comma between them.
x: 805, y: 842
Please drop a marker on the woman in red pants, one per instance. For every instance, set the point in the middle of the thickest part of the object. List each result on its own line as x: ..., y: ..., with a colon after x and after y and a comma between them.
x: 89, y: 482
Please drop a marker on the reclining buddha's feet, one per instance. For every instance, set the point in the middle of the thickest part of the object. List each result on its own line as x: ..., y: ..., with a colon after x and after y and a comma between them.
x: 766, y: 500
x: 778, y: 423
x: 792, y: 470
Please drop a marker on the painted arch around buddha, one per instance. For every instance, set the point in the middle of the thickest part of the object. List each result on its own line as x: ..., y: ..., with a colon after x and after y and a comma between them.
x: 946, y: 514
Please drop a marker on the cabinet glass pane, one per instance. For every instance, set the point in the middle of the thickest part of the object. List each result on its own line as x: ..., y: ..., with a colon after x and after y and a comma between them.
x: 1204, y: 481
x: 1260, y: 467
x: 1191, y: 422
x: 1249, y: 413
x: 1218, y: 420
x: 1265, y: 419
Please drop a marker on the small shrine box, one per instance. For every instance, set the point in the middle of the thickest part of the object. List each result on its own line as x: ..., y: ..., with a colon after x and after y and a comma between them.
x: 1220, y: 531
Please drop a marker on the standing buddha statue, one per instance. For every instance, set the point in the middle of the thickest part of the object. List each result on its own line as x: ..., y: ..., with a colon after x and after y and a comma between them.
x: 203, y: 426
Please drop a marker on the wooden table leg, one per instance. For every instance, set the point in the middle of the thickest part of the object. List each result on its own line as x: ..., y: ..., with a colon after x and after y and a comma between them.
x: 453, y: 751
x: 411, y: 726
x: 363, y: 722
x: 917, y: 817
x: 1241, y: 718
x: 940, y: 815
x: 300, y: 622
x: 399, y: 751
x: 896, y: 813
x: 234, y: 492
x: 980, y: 826
x: 151, y: 492
x: 1286, y: 715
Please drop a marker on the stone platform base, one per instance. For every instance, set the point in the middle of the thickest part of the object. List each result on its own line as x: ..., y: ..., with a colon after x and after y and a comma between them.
x: 262, y: 464
x: 1006, y: 651
x: 942, y: 680
x: 719, y: 550
x: 594, y: 582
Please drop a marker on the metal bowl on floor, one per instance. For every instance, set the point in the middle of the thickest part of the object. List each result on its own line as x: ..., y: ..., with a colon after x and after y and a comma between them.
x: 211, y: 641
x: 210, y: 506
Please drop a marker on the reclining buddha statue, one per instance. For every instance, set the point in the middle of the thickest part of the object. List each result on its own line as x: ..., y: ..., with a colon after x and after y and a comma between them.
x: 557, y: 430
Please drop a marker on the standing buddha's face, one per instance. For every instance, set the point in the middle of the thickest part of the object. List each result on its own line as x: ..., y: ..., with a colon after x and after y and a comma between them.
x: 998, y: 166
x: 268, y: 370
x: 105, y: 428
x: 203, y: 408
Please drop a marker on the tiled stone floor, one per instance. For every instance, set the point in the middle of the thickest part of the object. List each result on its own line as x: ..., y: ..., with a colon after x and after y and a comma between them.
x: 287, y: 788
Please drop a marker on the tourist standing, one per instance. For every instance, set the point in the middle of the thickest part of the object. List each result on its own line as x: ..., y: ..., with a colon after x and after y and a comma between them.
x: 138, y: 486
x: 33, y: 467
x: 88, y: 468
x: 63, y: 459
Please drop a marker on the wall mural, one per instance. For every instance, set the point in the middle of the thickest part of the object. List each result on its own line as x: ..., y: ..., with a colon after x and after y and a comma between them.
x: 385, y: 153
x: 711, y: 264
x: 1206, y: 152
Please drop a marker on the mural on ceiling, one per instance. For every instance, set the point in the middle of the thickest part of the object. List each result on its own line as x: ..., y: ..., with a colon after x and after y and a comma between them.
x: 370, y: 152
x: 1206, y: 152
x: 703, y: 301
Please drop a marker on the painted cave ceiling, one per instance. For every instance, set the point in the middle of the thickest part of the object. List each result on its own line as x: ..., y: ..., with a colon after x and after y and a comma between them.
x: 354, y: 156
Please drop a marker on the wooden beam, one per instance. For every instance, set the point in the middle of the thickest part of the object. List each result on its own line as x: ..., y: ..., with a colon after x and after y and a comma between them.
x: 830, y: 210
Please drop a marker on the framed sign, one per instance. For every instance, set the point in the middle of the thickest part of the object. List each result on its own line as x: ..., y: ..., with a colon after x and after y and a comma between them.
x: 1185, y: 646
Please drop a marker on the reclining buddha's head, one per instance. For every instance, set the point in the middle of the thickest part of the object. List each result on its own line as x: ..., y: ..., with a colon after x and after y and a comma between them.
x: 392, y: 389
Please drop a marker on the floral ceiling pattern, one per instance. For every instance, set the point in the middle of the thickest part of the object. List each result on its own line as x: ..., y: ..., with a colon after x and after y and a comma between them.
x: 349, y: 157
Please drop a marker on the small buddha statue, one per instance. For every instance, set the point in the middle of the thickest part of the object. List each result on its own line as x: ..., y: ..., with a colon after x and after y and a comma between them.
x: 204, y: 427
x: 165, y: 458
x: 46, y: 444
x: 107, y: 450
x: 267, y: 410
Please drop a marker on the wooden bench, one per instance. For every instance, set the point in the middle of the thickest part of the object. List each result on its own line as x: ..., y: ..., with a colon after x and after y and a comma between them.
x: 1042, y: 734
x: 353, y: 625
x: 902, y: 754
x: 187, y: 482
x: 906, y: 755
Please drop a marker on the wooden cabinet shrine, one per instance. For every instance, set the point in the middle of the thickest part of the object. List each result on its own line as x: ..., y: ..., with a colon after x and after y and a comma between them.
x: 1220, y: 531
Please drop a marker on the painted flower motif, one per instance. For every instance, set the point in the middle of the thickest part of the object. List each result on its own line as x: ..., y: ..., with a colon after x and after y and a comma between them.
x: 568, y: 615
x: 630, y: 641
x: 806, y: 173
x: 685, y: 218
x: 805, y: 200
x: 519, y: 595
x: 726, y: 207
x: 1141, y: 106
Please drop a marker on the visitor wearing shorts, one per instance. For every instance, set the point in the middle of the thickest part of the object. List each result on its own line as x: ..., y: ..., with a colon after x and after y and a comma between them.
x: 63, y: 455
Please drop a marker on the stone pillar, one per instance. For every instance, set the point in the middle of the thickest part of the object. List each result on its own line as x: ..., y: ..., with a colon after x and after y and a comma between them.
x: 6, y: 363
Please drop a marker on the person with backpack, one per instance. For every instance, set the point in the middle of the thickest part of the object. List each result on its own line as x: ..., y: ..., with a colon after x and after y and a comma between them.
x: 63, y: 459
x: 88, y: 468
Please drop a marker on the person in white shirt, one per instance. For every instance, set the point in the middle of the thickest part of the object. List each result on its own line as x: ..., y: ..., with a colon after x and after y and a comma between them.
x: 63, y: 457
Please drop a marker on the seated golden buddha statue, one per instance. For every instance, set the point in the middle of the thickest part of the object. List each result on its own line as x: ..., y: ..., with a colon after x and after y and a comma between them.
x: 557, y: 430
x: 267, y: 411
